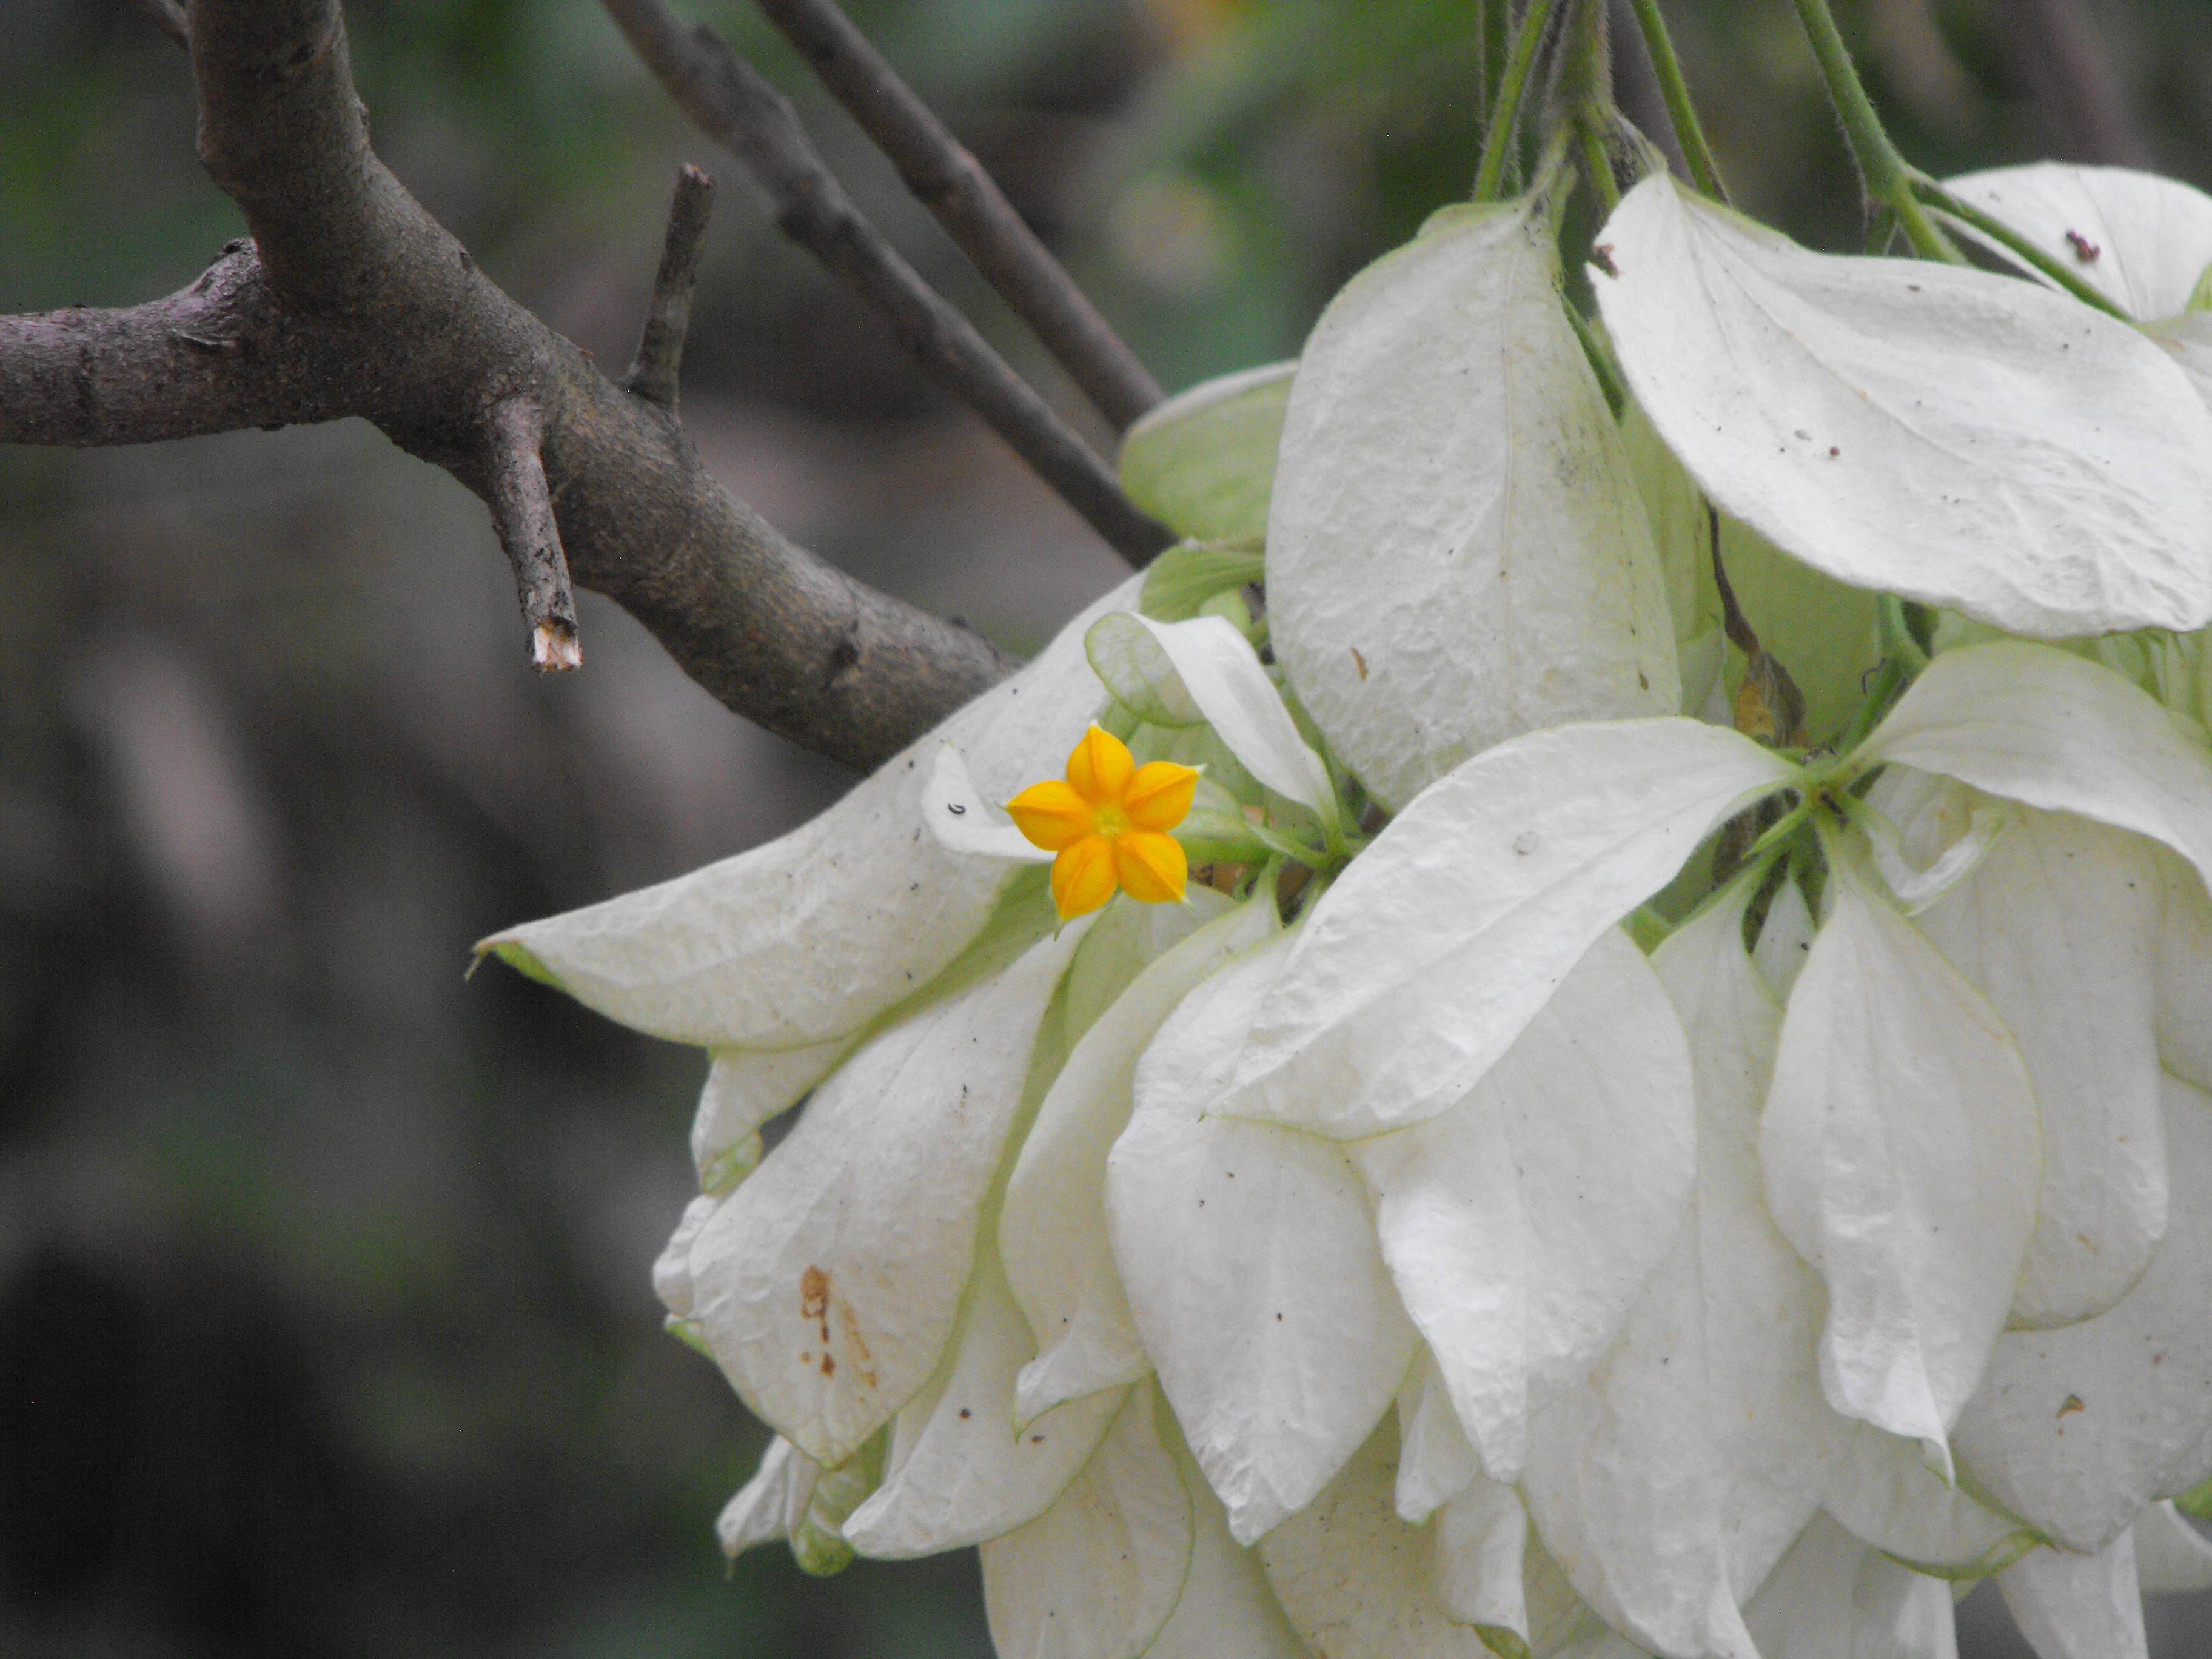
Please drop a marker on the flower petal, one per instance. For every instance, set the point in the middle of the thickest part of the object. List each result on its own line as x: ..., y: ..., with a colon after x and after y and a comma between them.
x: 1456, y: 552
x: 1159, y: 795
x: 1902, y: 1160
x: 1082, y: 876
x: 1435, y: 1460
x: 2076, y: 1429
x: 1098, y: 767
x: 2172, y: 1557
x: 1248, y: 1256
x: 1149, y: 866
x: 1521, y: 1225
x: 1833, y: 1598
x: 1433, y: 951
x: 1883, y: 1491
x: 1052, y: 1228
x: 744, y: 1088
x: 1052, y: 815
x: 828, y: 1284
x: 771, y: 1505
x: 1947, y: 434
x: 2184, y: 1021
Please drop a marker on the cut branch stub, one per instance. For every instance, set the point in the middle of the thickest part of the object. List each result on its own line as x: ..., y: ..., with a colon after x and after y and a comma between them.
x: 660, y: 349
x: 739, y: 109
x: 522, y: 511
x: 955, y: 186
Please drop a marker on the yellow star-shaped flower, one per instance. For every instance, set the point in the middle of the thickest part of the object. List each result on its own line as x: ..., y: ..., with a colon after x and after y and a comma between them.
x: 1108, y: 823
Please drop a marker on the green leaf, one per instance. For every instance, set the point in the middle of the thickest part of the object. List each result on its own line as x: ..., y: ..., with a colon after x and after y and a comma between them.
x: 1183, y: 579
x: 1458, y: 552
x: 1203, y: 463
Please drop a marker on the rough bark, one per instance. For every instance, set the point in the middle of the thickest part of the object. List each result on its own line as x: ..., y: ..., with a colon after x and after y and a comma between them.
x: 349, y: 300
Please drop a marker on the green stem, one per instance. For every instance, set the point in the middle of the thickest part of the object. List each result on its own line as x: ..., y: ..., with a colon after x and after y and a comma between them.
x: 1600, y: 359
x: 1927, y: 189
x: 1888, y: 181
x: 1597, y: 168
x: 1704, y: 171
x: 1887, y: 679
x: 1506, y: 113
x: 1494, y: 25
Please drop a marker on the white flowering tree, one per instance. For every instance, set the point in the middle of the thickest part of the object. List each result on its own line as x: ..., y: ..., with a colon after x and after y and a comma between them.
x: 1616, y: 1054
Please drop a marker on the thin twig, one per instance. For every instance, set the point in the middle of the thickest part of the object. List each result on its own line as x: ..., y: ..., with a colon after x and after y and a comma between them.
x: 1505, y: 114
x: 731, y: 100
x: 522, y: 512
x: 1666, y: 69
x: 969, y: 204
x: 168, y: 16
x: 660, y: 349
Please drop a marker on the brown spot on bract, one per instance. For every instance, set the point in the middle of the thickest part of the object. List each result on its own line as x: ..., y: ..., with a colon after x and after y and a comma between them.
x: 1359, y: 662
x: 1643, y: 681
x: 2073, y: 1404
x: 828, y: 1367
x: 859, y: 1348
x: 813, y: 1293
x: 963, y: 1414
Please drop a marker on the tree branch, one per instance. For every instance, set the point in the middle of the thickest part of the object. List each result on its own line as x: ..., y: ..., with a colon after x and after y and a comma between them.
x: 522, y: 512
x: 969, y: 204
x: 741, y: 110
x: 351, y: 300
x: 660, y: 349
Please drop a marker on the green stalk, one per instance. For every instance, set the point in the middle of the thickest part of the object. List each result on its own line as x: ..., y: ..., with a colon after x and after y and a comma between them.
x: 1506, y: 113
x: 1493, y: 25
x: 1600, y: 359
x: 1927, y: 189
x: 1888, y: 181
x: 1704, y: 171
x: 1597, y: 168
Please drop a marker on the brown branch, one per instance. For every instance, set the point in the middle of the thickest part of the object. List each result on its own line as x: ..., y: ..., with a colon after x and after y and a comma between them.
x: 522, y: 512
x: 741, y: 110
x: 660, y: 349
x: 352, y: 300
x: 969, y: 204
x: 2054, y: 45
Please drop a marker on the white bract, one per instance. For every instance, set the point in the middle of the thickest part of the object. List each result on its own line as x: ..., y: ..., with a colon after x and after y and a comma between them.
x: 1660, y: 1192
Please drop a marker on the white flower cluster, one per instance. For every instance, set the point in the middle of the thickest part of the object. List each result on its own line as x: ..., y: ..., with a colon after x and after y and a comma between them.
x: 1689, y: 1134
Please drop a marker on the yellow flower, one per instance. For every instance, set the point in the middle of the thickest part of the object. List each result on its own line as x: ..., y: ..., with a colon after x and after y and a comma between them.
x: 1108, y: 822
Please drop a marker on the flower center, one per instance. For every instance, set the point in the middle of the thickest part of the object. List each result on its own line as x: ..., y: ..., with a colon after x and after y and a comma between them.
x: 1108, y: 820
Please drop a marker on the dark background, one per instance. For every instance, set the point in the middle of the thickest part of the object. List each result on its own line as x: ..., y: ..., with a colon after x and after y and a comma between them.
x: 324, y: 1324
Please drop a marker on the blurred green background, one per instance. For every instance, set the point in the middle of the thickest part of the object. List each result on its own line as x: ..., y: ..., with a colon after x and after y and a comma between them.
x: 325, y: 1322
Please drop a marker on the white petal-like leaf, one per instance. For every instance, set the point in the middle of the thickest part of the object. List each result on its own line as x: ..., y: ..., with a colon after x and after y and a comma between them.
x: 2078, y: 1606
x: 1458, y: 552
x: 1248, y: 1255
x: 2046, y: 728
x: 1435, y: 1460
x: 1902, y: 1160
x: 1357, y: 1581
x: 960, y: 1473
x: 1052, y: 1229
x: 1882, y: 1489
x: 2184, y: 1020
x: 1125, y: 940
x: 963, y: 822
x: 2057, y: 925
x: 744, y: 1088
x: 2171, y: 1556
x: 811, y: 936
x: 1947, y: 434
x: 1097, y: 1575
x: 1521, y: 1225
x: 1228, y: 1609
x: 1435, y: 948
x: 1203, y: 462
x: 2076, y: 1429
x: 770, y: 1506
x: 1833, y: 1598
x: 1222, y: 675
x: 2140, y: 240
x: 1481, y: 1556
x: 828, y: 1284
